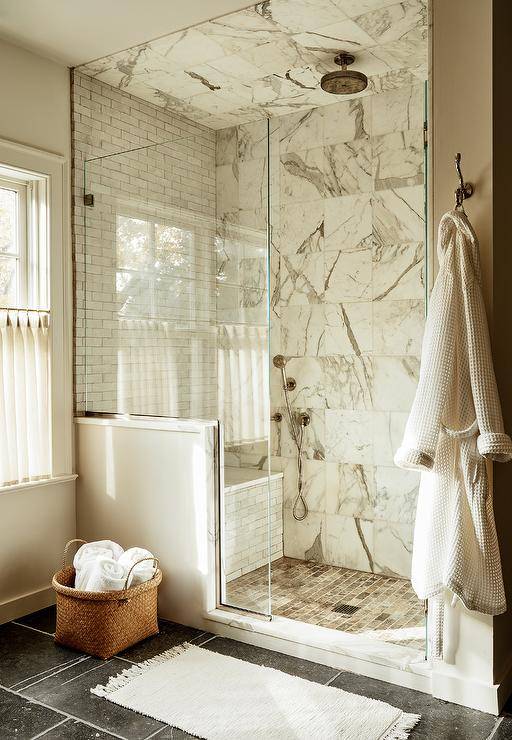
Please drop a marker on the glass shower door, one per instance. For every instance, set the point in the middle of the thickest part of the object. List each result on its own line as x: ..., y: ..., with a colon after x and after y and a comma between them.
x: 242, y: 251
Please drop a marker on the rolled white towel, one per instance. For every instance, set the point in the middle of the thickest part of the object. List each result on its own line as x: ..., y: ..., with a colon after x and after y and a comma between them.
x: 86, y: 563
x: 92, y: 550
x: 143, y: 571
x: 105, y: 574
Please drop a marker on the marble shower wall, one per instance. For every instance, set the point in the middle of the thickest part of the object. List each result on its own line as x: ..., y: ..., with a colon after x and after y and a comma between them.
x: 347, y: 311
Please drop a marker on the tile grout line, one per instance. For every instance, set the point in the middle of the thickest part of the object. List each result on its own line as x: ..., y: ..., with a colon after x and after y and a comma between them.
x: 496, y: 727
x: 329, y: 682
x: 19, y: 685
x: 64, y: 668
x: 107, y: 662
x: 34, y: 629
x: 64, y: 714
x: 43, y: 732
x: 209, y: 639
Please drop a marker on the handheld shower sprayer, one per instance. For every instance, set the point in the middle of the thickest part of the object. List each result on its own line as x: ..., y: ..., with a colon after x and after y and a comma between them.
x: 298, y: 424
x: 289, y: 384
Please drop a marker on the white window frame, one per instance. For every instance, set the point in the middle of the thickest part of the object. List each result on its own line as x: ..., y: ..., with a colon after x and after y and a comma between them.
x: 53, y: 171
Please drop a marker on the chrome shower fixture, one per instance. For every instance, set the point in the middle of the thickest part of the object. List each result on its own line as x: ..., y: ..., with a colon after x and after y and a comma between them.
x: 344, y: 81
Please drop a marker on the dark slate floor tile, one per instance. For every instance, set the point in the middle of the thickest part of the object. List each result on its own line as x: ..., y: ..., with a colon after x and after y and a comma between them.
x: 70, y: 692
x: 171, y: 634
x: 25, y: 653
x: 503, y: 730
x: 74, y: 730
x: 280, y: 661
x: 21, y: 719
x: 439, y: 719
x: 43, y: 620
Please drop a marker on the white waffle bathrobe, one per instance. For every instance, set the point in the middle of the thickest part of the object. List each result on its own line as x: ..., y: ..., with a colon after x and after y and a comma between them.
x: 455, y: 425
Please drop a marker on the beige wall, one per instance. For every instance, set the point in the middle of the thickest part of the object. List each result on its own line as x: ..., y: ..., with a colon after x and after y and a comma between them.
x: 34, y: 95
x: 35, y: 522
x: 471, y: 115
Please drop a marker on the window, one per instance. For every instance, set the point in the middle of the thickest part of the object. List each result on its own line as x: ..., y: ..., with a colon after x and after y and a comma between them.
x: 25, y: 412
x: 23, y: 262
x: 153, y: 269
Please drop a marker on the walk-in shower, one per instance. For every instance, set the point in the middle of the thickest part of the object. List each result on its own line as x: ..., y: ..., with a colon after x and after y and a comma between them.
x: 263, y: 265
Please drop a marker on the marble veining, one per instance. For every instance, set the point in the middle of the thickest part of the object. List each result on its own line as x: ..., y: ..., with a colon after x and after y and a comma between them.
x: 267, y: 60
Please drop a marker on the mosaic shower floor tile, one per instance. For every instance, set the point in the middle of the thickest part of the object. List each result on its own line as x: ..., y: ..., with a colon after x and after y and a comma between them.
x: 380, y: 607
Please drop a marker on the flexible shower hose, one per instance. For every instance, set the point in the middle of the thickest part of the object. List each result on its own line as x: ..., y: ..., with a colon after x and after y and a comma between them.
x: 300, y: 500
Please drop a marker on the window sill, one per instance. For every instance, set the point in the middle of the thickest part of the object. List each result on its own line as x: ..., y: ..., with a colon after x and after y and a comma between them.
x: 20, y: 487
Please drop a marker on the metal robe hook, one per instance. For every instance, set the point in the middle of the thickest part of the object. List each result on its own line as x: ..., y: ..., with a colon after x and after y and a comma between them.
x: 465, y: 189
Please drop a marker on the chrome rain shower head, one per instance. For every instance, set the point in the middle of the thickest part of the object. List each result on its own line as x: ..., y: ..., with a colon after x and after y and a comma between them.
x: 279, y: 361
x: 344, y: 81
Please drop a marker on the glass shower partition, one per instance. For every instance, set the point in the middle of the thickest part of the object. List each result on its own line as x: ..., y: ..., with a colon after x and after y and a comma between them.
x: 175, y: 321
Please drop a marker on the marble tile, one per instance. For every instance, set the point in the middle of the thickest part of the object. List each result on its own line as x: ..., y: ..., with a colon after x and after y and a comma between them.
x: 398, y: 327
x: 399, y: 215
x: 302, y: 176
x: 226, y: 146
x: 253, y: 184
x: 394, y: 22
x: 348, y: 223
x: 392, y: 543
x: 310, y: 391
x: 302, y: 15
x: 355, y: 8
x: 327, y: 38
x: 302, y: 279
x: 188, y: 47
x: 398, y: 272
x: 392, y: 80
x: 398, y: 159
x: 267, y: 60
x: 313, y: 486
x: 302, y: 228
x: 253, y: 140
x: 349, y: 542
x: 348, y: 328
x: 398, y: 110
x: 348, y: 436
x: 314, y: 436
x: 280, y: 56
x: 303, y: 330
x: 394, y: 381
x: 396, y: 494
x: 388, y: 432
x: 347, y: 382
x: 348, y: 168
x: 304, y: 540
x: 301, y: 131
x: 348, y: 276
x: 404, y: 54
x: 350, y: 490
x: 240, y: 30
x: 347, y: 120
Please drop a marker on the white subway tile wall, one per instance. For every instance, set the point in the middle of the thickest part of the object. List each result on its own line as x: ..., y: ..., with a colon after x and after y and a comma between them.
x: 246, y: 543
x: 145, y: 296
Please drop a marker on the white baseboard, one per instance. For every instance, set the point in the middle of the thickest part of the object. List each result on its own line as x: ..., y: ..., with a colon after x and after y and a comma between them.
x: 26, y: 604
x: 467, y: 692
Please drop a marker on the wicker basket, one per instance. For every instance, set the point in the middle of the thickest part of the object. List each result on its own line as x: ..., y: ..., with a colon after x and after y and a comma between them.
x: 104, y: 623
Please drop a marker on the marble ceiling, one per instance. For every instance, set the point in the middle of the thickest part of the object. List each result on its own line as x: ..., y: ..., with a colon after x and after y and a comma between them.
x: 267, y: 60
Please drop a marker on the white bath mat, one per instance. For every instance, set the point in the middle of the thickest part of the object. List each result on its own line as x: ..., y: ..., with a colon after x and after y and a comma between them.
x: 218, y: 697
